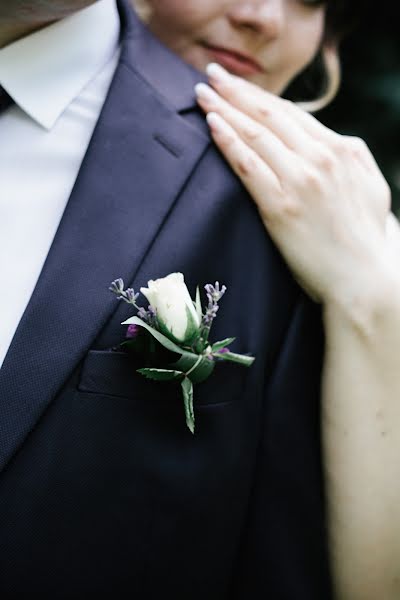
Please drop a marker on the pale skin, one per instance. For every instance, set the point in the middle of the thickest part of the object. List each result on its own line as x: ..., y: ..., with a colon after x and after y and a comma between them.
x: 326, y: 205
x: 282, y: 36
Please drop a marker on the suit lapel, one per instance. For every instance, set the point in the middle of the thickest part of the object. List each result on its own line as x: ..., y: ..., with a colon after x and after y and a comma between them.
x: 140, y: 156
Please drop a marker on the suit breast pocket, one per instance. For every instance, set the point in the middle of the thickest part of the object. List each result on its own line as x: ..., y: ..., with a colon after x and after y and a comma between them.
x: 110, y: 373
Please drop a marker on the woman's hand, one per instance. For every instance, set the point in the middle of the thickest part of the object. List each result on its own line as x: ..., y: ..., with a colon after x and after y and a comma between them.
x: 320, y: 195
x: 326, y: 205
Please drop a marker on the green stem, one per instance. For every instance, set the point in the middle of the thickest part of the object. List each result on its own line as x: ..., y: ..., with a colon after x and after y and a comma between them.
x: 198, y: 361
x: 206, y: 334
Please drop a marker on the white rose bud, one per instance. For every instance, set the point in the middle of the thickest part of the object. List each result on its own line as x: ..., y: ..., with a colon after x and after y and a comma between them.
x: 176, y: 313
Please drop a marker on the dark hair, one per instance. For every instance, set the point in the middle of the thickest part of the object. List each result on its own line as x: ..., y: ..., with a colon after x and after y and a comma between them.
x: 341, y: 18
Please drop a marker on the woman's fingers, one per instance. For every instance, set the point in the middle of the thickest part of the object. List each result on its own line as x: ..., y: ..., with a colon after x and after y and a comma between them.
x: 263, y: 109
x: 320, y: 194
x: 269, y: 147
x: 281, y: 116
x: 306, y: 167
x: 256, y: 175
x: 360, y: 151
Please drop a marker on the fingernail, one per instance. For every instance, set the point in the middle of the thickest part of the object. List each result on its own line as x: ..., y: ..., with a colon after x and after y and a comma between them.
x: 217, y: 73
x: 204, y: 92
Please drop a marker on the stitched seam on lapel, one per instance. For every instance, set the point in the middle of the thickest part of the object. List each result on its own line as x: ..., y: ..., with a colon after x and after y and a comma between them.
x: 172, y: 148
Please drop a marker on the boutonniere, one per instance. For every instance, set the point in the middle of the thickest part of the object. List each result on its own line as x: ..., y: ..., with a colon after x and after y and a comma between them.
x: 175, y: 324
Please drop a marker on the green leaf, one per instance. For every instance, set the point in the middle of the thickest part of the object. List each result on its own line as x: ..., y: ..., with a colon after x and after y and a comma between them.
x: 162, y: 339
x: 160, y: 374
x: 241, y: 359
x: 192, y: 330
x: 222, y: 344
x: 199, y: 309
x: 187, y: 389
x: 202, y: 366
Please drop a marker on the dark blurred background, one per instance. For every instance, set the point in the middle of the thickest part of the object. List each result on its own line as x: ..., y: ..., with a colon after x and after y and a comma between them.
x: 368, y: 104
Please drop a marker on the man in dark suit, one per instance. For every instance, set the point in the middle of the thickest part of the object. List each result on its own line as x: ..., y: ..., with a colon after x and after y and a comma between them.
x: 103, y: 491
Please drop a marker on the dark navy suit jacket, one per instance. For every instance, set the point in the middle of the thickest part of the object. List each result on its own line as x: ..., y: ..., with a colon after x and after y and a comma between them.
x: 103, y: 490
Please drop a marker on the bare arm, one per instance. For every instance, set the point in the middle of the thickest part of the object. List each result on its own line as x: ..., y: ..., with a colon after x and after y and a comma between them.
x: 361, y: 433
x: 326, y: 205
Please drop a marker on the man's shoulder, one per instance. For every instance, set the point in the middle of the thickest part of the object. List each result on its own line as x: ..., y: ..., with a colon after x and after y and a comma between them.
x: 164, y: 73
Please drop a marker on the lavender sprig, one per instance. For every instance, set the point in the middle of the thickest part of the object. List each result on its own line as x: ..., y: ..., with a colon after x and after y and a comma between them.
x: 129, y: 296
x: 149, y: 315
x: 214, y: 295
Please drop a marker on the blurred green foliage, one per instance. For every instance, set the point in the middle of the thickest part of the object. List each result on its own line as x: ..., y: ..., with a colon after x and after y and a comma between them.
x: 368, y: 104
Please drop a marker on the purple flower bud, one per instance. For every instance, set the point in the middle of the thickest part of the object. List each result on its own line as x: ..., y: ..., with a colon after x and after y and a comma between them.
x: 132, y: 331
x: 222, y: 350
x: 214, y: 293
x: 117, y: 286
x: 142, y: 313
x: 152, y: 311
x: 131, y: 296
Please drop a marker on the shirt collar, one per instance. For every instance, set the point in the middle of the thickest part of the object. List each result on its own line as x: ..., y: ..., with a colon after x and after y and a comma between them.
x: 46, y: 70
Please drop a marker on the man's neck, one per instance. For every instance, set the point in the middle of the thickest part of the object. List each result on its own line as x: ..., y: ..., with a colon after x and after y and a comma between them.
x: 21, y: 18
x: 11, y: 34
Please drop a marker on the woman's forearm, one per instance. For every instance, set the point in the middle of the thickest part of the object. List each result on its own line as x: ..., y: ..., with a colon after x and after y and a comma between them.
x: 325, y: 204
x: 361, y: 436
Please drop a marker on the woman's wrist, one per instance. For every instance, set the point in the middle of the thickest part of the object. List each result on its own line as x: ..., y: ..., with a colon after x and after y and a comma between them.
x: 368, y: 303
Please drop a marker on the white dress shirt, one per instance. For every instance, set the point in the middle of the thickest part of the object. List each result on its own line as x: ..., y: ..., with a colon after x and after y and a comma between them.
x: 59, y: 77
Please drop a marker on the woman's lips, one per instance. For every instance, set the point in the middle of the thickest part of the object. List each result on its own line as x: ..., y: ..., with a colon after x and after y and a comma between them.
x: 235, y: 62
